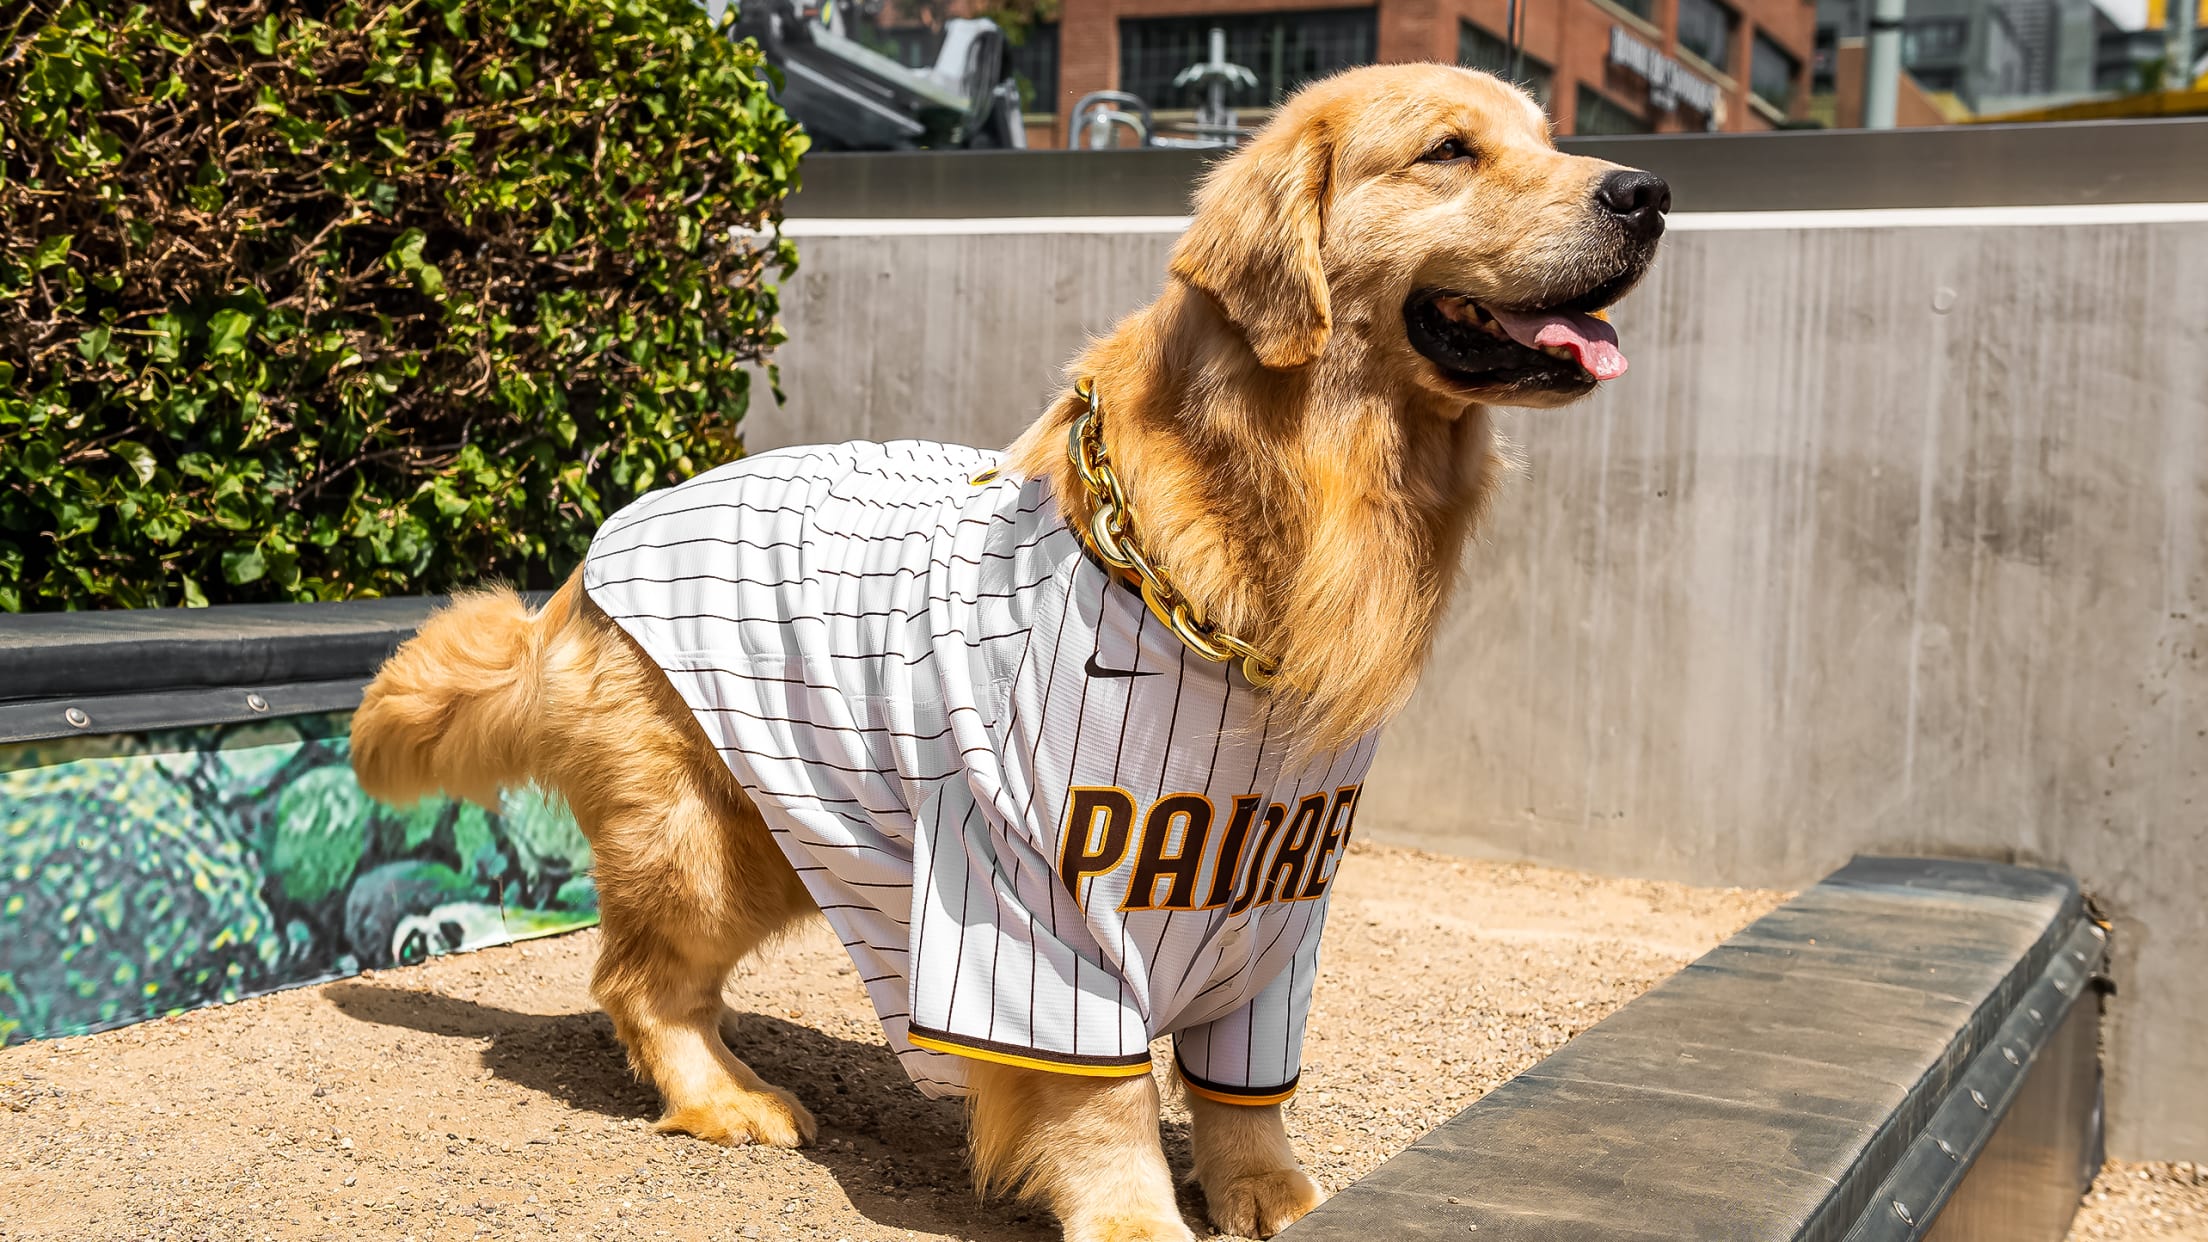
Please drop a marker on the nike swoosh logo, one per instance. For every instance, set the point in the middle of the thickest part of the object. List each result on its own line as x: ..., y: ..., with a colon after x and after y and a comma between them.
x: 1098, y: 670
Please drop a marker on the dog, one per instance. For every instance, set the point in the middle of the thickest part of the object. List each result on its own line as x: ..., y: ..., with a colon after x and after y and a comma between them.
x: 1065, y: 741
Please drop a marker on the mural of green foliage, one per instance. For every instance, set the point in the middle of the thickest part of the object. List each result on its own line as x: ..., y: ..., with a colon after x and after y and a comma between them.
x: 142, y: 875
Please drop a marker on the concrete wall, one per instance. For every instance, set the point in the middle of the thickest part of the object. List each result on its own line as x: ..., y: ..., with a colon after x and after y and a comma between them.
x: 1893, y: 539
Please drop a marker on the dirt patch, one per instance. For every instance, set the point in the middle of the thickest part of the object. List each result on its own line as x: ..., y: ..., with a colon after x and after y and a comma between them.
x: 2137, y: 1202
x: 482, y: 1096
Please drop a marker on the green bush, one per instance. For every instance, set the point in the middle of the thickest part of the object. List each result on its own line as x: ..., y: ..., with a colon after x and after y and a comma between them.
x: 314, y: 300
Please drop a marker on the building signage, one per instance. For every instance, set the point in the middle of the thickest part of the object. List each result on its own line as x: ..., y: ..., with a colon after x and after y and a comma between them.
x: 1670, y: 83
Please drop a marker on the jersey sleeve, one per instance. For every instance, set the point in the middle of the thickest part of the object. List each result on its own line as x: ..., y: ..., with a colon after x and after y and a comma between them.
x: 1255, y: 1054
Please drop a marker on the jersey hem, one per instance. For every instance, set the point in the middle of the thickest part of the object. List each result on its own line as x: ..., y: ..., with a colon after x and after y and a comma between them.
x: 1248, y: 1097
x: 1026, y: 1058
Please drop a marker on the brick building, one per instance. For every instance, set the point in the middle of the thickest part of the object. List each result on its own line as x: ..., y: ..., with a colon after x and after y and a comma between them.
x: 1601, y: 66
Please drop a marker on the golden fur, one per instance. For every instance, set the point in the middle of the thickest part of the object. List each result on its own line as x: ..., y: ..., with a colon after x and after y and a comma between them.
x: 1309, y: 480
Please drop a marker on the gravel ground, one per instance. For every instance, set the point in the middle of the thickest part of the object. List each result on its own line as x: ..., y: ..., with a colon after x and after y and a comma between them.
x: 480, y: 1096
x: 2134, y: 1202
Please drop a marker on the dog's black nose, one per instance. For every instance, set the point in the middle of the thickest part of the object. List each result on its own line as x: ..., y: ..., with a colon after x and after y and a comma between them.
x: 1638, y: 199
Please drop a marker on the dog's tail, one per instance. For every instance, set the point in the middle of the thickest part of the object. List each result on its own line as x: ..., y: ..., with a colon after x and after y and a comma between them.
x: 456, y: 708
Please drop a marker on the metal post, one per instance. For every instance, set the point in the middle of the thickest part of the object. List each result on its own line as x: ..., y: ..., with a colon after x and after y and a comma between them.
x: 2184, y: 18
x: 1510, y: 28
x: 1215, y: 94
x: 1882, y: 65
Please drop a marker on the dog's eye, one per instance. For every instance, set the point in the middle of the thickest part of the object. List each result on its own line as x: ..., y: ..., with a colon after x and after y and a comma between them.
x: 1447, y: 151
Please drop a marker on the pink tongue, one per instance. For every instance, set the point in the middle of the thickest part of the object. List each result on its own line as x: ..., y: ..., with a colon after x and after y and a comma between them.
x: 1593, y: 342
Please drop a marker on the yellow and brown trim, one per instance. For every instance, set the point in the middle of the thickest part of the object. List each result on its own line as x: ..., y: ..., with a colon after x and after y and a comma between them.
x: 1248, y: 1097
x: 1027, y: 1058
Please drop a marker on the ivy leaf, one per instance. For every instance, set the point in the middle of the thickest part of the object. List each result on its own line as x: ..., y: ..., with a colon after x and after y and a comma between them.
x: 240, y: 566
x: 93, y: 344
x: 51, y: 251
x: 167, y: 337
x: 137, y: 456
x: 405, y: 254
x: 226, y: 332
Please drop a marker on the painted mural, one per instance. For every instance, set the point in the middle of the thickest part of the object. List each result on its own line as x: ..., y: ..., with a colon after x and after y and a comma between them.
x: 145, y: 874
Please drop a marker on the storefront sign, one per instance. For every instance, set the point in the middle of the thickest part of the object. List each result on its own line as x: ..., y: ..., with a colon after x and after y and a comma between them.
x: 1670, y: 84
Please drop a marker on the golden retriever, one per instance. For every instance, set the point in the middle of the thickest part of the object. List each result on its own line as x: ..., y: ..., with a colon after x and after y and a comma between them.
x: 1301, y: 420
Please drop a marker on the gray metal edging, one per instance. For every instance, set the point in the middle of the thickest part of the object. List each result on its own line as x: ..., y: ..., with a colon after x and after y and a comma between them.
x: 1948, y: 1145
x: 58, y: 655
x: 78, y: 674
x: 1787, y: 1085
x: 102, y: 715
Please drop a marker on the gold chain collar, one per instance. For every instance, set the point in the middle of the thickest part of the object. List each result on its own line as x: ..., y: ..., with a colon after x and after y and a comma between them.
x: 1111, y: 535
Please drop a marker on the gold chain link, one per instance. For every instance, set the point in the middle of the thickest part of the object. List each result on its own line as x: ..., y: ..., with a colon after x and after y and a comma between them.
x: 1111, y: 535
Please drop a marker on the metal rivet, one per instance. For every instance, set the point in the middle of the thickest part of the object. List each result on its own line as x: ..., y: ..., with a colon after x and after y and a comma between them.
x: 1902, y: 1210
x: 2076, y: 956
x: 256, y: 702
x: 1943, y: 300
x: 1977, y: 1097
x: 2100, y: 933
x: 2035, y: 1015
x: 76, y: 716
x: 2010, y: 1053
x: 1948, y: 1149
x: 2062, y: 987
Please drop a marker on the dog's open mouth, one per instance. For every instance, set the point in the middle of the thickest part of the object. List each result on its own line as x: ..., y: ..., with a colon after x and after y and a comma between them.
x: 1492, y: 346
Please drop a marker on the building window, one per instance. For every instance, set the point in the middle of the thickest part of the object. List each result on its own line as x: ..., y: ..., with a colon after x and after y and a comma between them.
x: 1771, y: 73
x: 1706, y: 29
x: 1035, y: 66
x: 1477, y: 49
x: 1934, y: 41
x: 1824, y: 61
x: 1944, y: 81
x: 1597, y: 115
x: 1285, y: 50
x: 1643, y: 9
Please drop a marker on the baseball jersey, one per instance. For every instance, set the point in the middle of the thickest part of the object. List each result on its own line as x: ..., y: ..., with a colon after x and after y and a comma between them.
x: 1046, y: 831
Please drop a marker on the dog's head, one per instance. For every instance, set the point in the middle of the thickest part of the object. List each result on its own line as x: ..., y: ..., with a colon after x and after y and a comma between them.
x: 1415, y: 225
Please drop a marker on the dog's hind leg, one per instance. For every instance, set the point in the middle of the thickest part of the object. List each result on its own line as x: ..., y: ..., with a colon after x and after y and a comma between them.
x: 675, y: 924
x: 1086, y: 1146
x: 689, y: 879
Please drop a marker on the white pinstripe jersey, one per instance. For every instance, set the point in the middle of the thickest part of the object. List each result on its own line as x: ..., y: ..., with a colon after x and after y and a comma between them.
x: 1047, y: 832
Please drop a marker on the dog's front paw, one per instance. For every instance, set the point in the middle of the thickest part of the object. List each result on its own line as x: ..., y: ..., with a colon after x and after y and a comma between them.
x: 1259, y: 1205
x: 1130, y: 1227
x: 771, y: 1117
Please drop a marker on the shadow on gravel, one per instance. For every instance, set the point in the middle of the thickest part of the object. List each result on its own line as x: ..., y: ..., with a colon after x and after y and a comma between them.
x: 572, y: 1057
x: 899, y: 1156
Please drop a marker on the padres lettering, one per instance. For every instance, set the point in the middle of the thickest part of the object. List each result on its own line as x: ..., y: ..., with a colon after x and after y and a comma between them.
x: 1263, y: 853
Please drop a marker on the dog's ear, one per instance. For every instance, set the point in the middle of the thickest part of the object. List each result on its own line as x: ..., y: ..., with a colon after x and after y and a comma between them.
x: 1254, y: 244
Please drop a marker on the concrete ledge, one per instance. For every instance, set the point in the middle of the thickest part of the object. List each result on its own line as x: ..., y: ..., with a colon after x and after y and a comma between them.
x: 1899, y: 1046
x: 1790, y: 170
